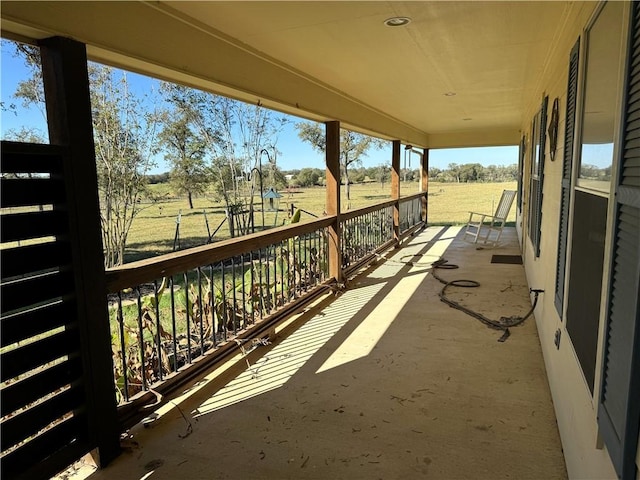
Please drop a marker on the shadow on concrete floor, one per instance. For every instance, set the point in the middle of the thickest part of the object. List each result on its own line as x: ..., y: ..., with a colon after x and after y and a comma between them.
x: 382, y: 381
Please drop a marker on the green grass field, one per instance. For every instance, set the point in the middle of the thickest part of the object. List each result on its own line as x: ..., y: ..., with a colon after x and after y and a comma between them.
x: 153, y: 230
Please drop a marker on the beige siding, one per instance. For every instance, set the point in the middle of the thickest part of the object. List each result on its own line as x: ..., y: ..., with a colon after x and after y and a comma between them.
x: 575, y: 408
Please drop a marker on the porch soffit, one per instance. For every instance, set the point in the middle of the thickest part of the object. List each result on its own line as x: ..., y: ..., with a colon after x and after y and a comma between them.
x: 331, y: 60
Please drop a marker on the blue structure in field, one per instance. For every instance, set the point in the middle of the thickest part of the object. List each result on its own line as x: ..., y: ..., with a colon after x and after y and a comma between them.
x: 272, y: 195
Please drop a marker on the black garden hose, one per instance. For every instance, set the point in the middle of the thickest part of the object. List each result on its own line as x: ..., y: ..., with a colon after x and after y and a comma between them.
x: 503, y: 324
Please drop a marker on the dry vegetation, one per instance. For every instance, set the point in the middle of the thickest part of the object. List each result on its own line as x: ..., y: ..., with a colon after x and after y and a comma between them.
x: 154, y: 229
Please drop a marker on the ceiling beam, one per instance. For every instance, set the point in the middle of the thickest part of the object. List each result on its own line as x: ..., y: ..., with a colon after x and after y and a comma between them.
x: 475, y: 138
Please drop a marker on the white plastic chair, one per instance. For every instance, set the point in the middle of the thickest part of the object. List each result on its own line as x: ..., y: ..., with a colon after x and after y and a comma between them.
x: 482, y: 225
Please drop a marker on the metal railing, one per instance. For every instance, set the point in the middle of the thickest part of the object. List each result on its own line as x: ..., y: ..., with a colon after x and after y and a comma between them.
x: 364, y: 231
x: 410, y: 212
x: 172, y: 316
x: 168, y: 312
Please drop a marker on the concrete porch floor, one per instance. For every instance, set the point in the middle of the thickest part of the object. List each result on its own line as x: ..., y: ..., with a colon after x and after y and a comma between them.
x: 382, y: 381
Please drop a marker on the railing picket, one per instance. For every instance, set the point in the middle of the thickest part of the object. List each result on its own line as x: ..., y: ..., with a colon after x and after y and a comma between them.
x: 187, y: 307
x: 141, y: 339
x: 268, y: 283
x: 200, y: 309
x: 304, y: 274
x: 123, y: 346
x: 225, y: 319
x: 245, y: 321
x: 173, y: 324
x: 261, y: 297
x: 282, y: 250
x: 325, y: 246
x: 234, y: 311
x: 297, y: 273
x: 214, y: 316
x: 158, y: 330
x: 252, y: 301
x: 290, y: 255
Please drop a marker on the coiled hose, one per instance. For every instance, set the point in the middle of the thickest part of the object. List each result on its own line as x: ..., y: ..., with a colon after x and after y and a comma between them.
x: 503, y: 324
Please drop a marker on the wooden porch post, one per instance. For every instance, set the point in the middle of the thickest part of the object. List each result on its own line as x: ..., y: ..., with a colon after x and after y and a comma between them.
x: 395, y: 187
x: 333, y: 197
x: 424, y: 184
x: 66, y: 86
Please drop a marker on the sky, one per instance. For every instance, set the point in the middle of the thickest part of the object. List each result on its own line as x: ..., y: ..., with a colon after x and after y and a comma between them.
x: 293, y: 152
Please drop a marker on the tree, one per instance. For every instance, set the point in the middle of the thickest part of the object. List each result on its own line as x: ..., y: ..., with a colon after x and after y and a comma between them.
x: 25, y: 135
x: 353, y: 146
x: 469, y: 172
x: 272, y: 175
x: 276, y: 178
x: 236, y: 136
x: 434, y: 172
x: 307, y: 177
x: 454, y: 170
x: 383, y: 174
x: 30, y: 91
x: 156, y: 178
x: 252, y: 131
x: 124, y: 132
x: 358, y: 175
x: 186, y: 153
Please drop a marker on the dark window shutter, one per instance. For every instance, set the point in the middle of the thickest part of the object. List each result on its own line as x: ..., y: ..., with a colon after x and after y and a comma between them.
x: 535, y: 202
x: 543, y: 138
x: 619, y: 408
x: 521, y: 157
x: 572, y: 92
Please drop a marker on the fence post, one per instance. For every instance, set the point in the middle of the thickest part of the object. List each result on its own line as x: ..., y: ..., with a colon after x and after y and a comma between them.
x: 333, y: 197
x: 424, y: 184
x: 230, y: 218
x: 395, y: 188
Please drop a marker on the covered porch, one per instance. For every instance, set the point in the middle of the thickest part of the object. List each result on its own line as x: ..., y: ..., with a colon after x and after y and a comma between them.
x: 381, y: 380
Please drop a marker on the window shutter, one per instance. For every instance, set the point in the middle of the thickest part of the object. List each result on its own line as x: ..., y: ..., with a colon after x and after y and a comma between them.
x: 619, y: 408
x: 535, y: 210
x: 572, y: 92
x: 521, y: 157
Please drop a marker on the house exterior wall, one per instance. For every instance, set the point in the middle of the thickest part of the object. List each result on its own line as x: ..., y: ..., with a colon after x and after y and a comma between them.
x: 575, y: 406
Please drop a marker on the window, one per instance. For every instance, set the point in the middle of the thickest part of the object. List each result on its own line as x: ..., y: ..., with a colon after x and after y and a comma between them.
x: 599, y: 114
x: 619, y: 409
x: 601, y: 94
x: 535, y: 143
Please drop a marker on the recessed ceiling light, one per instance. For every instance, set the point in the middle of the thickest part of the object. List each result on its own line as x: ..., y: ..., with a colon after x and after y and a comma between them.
x: 449, y: 94
x: 397, y: 21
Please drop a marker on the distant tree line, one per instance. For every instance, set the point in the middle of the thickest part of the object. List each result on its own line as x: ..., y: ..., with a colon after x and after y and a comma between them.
x: 455, y: 173
x: 156, y: 178
x: 474, y: 172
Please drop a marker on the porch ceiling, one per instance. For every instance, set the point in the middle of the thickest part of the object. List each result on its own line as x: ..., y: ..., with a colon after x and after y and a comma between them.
x: 331, y: 60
